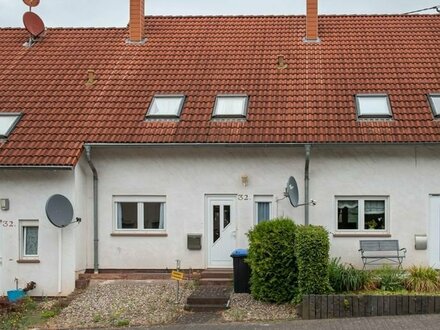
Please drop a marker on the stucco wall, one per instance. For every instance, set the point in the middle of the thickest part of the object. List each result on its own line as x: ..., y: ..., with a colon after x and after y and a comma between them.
x: 406, y: 174
x: 28, y: 191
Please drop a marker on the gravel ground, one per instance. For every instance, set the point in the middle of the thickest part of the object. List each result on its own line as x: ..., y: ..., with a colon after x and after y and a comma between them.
x: 245, y: 308
x: 124, y: 303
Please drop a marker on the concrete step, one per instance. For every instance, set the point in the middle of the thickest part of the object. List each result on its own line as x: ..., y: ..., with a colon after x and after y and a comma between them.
x: 126, y: 276
x: 216, y: 282
x: 197, y: 300
x: 205, y: 308
x: 217, y: 274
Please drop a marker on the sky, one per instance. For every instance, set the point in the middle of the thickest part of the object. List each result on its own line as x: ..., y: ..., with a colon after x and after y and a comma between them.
x: 114, y: 13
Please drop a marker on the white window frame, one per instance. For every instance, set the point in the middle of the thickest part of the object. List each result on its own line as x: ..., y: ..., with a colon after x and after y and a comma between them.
x: 388, y: 115
x: 165, y: 96
x: 18, y: 116
x: 263, y: 199
x: 361, y: 214
x: 244, y: 110
x: 140, y: 200
x: 23, y: 224
x: 435, y: 111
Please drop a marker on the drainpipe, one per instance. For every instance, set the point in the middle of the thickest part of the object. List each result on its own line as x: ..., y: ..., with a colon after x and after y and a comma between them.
x: 308, y: 148
x: 95, y: 210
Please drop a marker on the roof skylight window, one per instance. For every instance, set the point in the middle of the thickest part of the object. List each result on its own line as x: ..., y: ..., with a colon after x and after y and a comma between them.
x: 373, y: 106
x: 234, y: 106
x: 167, y: 106
x: 434, y: 101
x: 7, y: 123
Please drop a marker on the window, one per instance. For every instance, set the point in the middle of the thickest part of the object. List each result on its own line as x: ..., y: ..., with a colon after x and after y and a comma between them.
x: 168, y: 106
x: 373, y: 106
x: 434, y: 101
x: 263, y: 208
x: 140, y: 213
x: 362, y: 213
x: 28, y: 239
x: 7, y: 123
x: 230, y: 106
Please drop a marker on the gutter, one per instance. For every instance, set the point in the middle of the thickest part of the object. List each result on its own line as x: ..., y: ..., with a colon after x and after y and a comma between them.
x: 308, y: 149
x: 88, y: 150
x: 35, y: 167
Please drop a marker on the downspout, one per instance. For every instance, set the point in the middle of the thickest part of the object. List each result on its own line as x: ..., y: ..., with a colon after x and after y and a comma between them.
x: 308, y: 148
x: 95, y: 210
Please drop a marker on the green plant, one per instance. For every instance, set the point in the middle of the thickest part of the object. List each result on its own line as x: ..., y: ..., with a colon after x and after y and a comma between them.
x: 390, y: 279
x: 272, y: 260
x: 344, y: 278
x: 422, y: 279
x: 122, y: 323
x: 312, y: 253
x: 48, y: 314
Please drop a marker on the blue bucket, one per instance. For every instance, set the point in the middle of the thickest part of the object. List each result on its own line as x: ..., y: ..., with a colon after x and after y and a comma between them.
x: 15, y: 295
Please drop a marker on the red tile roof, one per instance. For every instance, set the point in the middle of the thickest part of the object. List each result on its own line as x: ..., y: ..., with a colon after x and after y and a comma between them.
x: 312, y: 101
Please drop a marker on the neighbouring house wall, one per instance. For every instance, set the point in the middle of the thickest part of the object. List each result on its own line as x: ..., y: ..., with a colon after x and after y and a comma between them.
x: 185, y: 176
x: 408, y: 175
x: 28, y: 192
x: 83, y: 203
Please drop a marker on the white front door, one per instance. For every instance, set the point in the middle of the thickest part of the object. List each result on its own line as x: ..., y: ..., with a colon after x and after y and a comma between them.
x: 222, y: 230
x: 434, y: 232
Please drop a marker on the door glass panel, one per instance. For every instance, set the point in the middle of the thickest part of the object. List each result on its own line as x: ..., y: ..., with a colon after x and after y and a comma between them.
x: 226, y: 215
x: 216, y: 222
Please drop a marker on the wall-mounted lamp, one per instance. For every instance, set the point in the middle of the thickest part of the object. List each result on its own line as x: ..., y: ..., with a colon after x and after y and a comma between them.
x: 244, y: 180
x: 4, y: 204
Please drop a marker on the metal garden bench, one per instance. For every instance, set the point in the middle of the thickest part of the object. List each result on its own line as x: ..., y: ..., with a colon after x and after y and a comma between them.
x: 375, y: 251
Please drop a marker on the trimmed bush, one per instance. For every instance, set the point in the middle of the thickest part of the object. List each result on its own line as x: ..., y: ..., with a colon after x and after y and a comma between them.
x: 422, y: 279
x: 272, y: 260
x: 312, y: 254
x: 345, y: 278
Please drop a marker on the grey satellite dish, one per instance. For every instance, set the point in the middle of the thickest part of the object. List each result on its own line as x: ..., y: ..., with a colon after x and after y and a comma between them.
x: 292, y: 191
x: 59, y: 211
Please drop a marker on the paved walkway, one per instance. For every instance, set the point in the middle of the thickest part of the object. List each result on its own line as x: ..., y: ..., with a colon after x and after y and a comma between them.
x: 412, y: 322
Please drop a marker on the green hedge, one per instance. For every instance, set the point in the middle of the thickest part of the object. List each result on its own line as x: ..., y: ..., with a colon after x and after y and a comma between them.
x: 272, y: 260
x: 312, y: 254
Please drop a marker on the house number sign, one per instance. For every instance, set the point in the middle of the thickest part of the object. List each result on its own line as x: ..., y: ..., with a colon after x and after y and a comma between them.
x: 7, y: 224
x: 243, y: 197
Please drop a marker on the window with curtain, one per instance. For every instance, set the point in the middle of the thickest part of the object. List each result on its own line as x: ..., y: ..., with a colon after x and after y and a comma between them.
x: 28, y: 239
x: 166, y: 106
x: 362, y: 213
x: 140, y: 213
x: 263, y: 211
x: 230, y: 106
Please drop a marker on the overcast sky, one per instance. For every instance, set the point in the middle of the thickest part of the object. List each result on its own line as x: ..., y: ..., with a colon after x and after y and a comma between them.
x: 112, y: 13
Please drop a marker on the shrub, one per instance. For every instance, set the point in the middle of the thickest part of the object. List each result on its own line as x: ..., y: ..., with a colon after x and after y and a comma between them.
x: 272, y: 260
x: 422, y: 279
x: 312, y: 253
x: 390, y: 279
x: 347, y: 278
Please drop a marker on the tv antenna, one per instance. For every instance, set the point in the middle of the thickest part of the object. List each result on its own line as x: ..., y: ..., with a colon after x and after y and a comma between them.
x: 437, y: 8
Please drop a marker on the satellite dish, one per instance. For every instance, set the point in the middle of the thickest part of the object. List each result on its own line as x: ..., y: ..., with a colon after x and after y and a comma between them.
x: 32, y: 3
x: 292, y: 191
x: 59, y: 211
x: 33, y: 23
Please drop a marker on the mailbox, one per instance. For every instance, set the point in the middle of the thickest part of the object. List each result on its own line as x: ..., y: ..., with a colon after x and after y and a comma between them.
x: 194, y: 241
x: 421, y: 242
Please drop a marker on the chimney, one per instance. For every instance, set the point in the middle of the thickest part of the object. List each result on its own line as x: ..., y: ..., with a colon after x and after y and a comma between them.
x: 137, y: 22
x: 312, y: 21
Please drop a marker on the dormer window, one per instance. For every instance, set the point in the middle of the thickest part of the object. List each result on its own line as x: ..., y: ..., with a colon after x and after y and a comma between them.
x: 8, y: 121
x: 166, y: 106
x: 230, y: 106
x: 434, y: 101
x: 373, y: 106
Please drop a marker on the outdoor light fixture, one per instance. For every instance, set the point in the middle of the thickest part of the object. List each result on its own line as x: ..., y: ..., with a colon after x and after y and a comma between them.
x: 244, y: 180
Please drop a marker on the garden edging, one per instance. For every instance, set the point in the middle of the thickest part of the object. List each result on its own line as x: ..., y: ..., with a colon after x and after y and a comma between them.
x: 340, y: 306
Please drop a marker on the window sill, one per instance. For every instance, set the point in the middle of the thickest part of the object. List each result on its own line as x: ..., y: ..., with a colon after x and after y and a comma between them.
x: 361, y: 235
x: 28, y: 261
x: 160, y: 234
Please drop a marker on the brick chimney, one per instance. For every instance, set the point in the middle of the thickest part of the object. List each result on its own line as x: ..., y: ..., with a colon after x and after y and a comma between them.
x: 137, y: 22
x: 312, y: 21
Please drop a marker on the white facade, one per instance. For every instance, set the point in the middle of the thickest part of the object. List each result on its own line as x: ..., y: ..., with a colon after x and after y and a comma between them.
x: 188, y: 180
